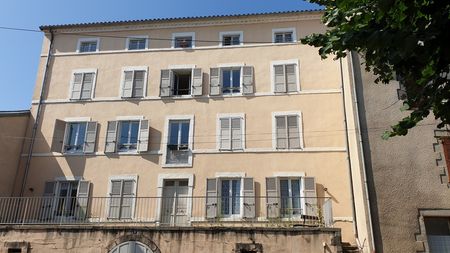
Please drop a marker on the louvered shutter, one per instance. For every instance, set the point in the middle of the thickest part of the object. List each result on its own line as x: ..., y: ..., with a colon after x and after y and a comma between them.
x: 91, y: 136
x: 77, y: 82
x: 214, y: 81
x: 273, y: 209
x: 138, y: 84
x: 236, y: 133
x: 58, y: 136
x: 127, y: 85
x: 143, y: 136
x: 281, y: 132
x: 166, y: 83
x: 82, y: 199
x: 225, y: 134
x: 247, y: 80
x: 88, y: 82
x: 211, y: 198
x: 446, y: 148
x: 197, y: 82
x: 127, y: 199
x: 48, y: 200
x: 249, y: 198
x: 111, y: 137
x: 291, y: 78
x: 293, y: 131
x: 309, y: 194
x: 279, y: 78
x: 115, y: 199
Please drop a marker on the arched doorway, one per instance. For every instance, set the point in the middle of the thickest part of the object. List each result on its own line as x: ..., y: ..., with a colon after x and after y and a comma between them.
x: 131, y: 247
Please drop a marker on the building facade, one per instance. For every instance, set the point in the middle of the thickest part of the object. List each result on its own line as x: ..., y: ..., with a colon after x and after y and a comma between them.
x: 152, y: 134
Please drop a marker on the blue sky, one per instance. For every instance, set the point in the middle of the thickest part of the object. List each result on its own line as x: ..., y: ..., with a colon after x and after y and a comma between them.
x: 20, y: 50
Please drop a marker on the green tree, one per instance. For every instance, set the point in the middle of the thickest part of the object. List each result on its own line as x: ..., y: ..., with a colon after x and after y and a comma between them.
x: 408, y: 38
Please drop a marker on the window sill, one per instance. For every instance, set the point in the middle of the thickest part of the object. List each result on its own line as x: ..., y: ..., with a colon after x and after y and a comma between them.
x: 179, y: 165
x: 74, y: 153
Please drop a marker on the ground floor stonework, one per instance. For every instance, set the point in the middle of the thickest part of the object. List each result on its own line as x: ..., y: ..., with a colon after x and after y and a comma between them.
x: 120, y: 239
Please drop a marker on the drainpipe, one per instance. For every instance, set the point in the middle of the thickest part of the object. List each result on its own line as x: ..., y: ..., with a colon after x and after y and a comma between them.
x: 38, y: 116
x: 352, y: 194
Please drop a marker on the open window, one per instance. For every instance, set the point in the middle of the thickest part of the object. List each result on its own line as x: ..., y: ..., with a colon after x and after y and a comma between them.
x: 127, y: 136
x: 231, y: 80
x: 74, y: 137
x: 181, y: 82
x: 183, y: 40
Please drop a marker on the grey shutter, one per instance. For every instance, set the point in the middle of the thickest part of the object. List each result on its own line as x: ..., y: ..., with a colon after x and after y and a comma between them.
x: 115, y: 199
x: 309, y: 193
x: 91, y: 136
x: 236, y: 133
x: 293, y: 131
x: 273, y: 209
x: 166, y: 83
x: 111, y: 137
x: 127, y: 199
x: 291, y: 78
x: 77, y: 82
x: 197, y: 82
x: 214, y: 81
x: 138, y: 83
x: 249, y: 198
x: 88, y: 82
x: 247, y: 80
x: 225, y: 134
x: 48, y: 200
x: 279, y: 78
x: 143, y: 136
x: 281, y: 132
x: 82, y: 199
x: 211, y: 198
x: 127, y: 85
x: 58, y: 136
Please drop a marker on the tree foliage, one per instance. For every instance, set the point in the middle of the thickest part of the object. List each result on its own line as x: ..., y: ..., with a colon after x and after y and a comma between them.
x: 407, y: 38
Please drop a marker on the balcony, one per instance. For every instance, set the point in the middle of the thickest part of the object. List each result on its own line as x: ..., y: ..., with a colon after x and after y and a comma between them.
x: 235, y: 211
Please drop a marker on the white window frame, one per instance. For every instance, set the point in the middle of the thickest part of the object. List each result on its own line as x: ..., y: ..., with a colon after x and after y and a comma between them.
x: 159, y: 190
x: 80, y: 40
x: 183, y: 34
x: 127, y: 118
x: 230, y: 115
x: 134, y: 68
x: 223, y: 66
x: 274, y: 129
x: 72, y: 79
x: 164, y: 143
x: 134, y: 177
x: 285, y: 62
x: 241, y: 37
x: 230, y: 176
x: 66, y: 137
x: 182, y: 67
x: 291, y: 175
x: 287, y: 29
x: 127, y: 43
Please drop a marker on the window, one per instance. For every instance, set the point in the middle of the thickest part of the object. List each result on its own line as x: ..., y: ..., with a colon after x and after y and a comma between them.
x: 134, y: 82
x: 127, y: 136
x: 231, y: 38
x: 231, y: 80
x: 180, y: 82
x: 122, y: 197
x: 74, y: 136
x: 290, y: 197
x: 438, y: 233
x: 284, y: 35
x: 446, y: 149
x: 174, y: 203
x: 285, y: 76
x: 82, y: 85
x: 287, y: 131
x: 88, y: 45
x: 131, y: 247
x: 231, y: 132
x: 183, y: 40
x: 230, y: 197
x: 14, y: 250
x: 178, y: 145
x: 137, y: 43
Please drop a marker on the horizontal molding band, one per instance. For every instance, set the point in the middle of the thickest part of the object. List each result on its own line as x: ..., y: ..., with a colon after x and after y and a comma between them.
x: 203, y: 151
x: 154, y: 98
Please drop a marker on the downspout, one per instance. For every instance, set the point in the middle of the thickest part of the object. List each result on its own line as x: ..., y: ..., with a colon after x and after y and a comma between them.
x: 352, y: 193
x: 363, y: 164
x: 38, y: 112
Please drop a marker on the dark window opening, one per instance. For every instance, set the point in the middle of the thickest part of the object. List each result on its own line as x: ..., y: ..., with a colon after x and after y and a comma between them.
x: 14, y: 250
x: 183, y: 42
x: 231, y: 40
x: 437, y: 225
x: 182, y: 82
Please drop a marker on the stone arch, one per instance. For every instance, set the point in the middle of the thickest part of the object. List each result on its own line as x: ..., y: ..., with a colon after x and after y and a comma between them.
x: 137, y: 238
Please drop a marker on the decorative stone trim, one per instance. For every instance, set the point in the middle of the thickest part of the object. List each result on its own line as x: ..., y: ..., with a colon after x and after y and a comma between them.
x: 136, y: 236
x: 23, y: 246
x: 421, y: 244
x: 439, y: 155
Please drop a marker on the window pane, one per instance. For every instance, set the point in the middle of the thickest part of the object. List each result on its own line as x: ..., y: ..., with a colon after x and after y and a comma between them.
x: 236, y: 40
x: 173, y: 138
x: 88, y: 46
x: 124, y: 129
x: 236, y: 80
x: 182, y: 42
x: 284, y: 192
x: 136, y: 44
x: 295, y: 190
x: 77, y: 132
x: 288, y: 37
x: 225, y: 192
x: 184, y: 133
x: 226, y: 76
x: 235, y: 192
x: 134, y: 132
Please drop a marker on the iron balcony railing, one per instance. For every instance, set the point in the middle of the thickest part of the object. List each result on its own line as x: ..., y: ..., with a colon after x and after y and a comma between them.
x: 238, y: 211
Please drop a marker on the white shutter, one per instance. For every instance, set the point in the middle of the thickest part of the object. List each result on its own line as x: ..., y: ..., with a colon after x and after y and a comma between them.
x: 143, y: 136
x: 214, y: 81
x: 77, y: 82
x: 127, y: 199
x: 88, y: 81
x: 236, y: 133
x: 293, y: 131
x: 309, y: 194
x: 115, y: 199
x: 166, y: 83
x: 273, y: 209
x: 247, y: 79
x: 225, y: 134
x: 58, y: 136
x: 138, y: 83
x: 197, y: 82
x: 281, y: 132
x: 82, y: 199
x: 211, y: 198
x: 249, y: 198
x: 279, y: 78
x: 90, y: 137
x: 48, y: 200
x: 111, y: 137
x: 291, y: 77
x: 127, y: 85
